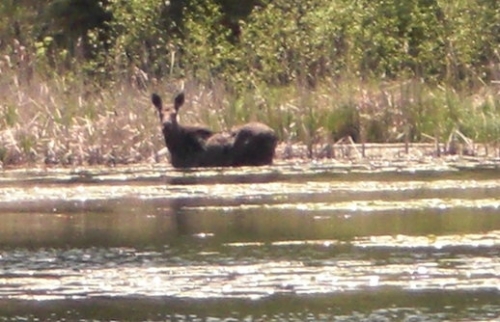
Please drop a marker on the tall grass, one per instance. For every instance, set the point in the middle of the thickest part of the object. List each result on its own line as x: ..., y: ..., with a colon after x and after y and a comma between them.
x: 70, y: 121
x: 62, y: 121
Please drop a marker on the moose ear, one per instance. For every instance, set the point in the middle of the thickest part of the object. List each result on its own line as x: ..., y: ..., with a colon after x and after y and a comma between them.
x: 156, y: 99
x: 178, y: 101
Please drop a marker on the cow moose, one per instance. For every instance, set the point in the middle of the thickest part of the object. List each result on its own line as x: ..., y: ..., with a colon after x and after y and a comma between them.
x: 251, y: 144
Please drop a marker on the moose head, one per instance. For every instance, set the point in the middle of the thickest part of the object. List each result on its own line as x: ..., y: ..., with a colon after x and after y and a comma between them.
x: 252, y: 144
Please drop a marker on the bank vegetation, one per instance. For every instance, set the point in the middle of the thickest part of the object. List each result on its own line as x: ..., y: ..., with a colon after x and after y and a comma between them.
x: 77, y: 74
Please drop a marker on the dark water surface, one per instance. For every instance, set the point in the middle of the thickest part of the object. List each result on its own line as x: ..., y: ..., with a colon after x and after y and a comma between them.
x: 314, y: 242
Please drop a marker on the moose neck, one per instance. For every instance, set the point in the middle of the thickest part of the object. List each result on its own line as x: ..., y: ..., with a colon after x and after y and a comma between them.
x: 184, y: 147
x: 173, y: 137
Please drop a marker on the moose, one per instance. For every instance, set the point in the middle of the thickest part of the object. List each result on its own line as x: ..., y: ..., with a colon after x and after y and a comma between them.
x: 251, y: 144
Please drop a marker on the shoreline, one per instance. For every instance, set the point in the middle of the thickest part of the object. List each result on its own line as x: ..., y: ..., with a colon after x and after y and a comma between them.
x: 347, y: 154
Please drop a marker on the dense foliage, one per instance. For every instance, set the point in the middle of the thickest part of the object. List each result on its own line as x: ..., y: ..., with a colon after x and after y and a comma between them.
x: 252, y: 41
x: 315, y: 70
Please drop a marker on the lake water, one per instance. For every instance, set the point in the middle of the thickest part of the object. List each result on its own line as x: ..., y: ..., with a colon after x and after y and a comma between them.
x: 291, y: 242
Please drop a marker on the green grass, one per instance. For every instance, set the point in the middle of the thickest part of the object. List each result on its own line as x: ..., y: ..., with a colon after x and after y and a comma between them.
x: 66, y: 121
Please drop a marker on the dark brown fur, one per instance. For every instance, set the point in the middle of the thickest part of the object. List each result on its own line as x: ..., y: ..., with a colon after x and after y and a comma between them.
x: 251, y: 144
